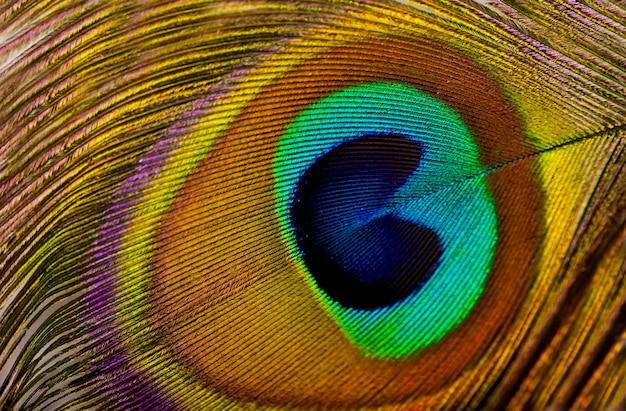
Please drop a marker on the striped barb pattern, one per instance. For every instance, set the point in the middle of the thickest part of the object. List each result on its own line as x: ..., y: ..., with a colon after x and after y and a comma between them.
x: 332, y: 204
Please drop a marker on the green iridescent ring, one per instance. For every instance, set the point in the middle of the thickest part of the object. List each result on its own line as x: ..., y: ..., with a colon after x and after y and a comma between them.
x: 449, y: 173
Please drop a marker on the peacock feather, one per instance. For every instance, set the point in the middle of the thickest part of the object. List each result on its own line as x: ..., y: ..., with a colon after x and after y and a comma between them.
x: 315, y: 204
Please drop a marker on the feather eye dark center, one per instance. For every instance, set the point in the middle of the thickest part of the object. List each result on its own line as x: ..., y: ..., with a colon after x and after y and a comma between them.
x: 359, y: 253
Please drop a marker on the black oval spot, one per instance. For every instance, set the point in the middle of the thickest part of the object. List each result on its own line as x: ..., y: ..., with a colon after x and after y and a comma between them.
x: 358, y: 252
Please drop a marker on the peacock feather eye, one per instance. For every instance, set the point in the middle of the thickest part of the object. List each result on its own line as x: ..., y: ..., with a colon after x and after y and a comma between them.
x: 335, y: 205
x: 366, y: 216
x: 371, y: 220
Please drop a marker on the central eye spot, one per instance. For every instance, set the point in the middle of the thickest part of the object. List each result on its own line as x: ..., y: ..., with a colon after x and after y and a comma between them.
x: 358, y: 251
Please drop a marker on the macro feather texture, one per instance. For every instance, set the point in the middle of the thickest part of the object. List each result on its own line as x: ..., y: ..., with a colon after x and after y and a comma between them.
x: 333, y: 204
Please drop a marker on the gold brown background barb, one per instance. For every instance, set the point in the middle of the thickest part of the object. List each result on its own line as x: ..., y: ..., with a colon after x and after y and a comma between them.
x: 338, y: 205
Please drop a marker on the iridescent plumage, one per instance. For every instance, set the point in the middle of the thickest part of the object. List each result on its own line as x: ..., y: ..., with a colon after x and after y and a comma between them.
x: 312, y: 205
